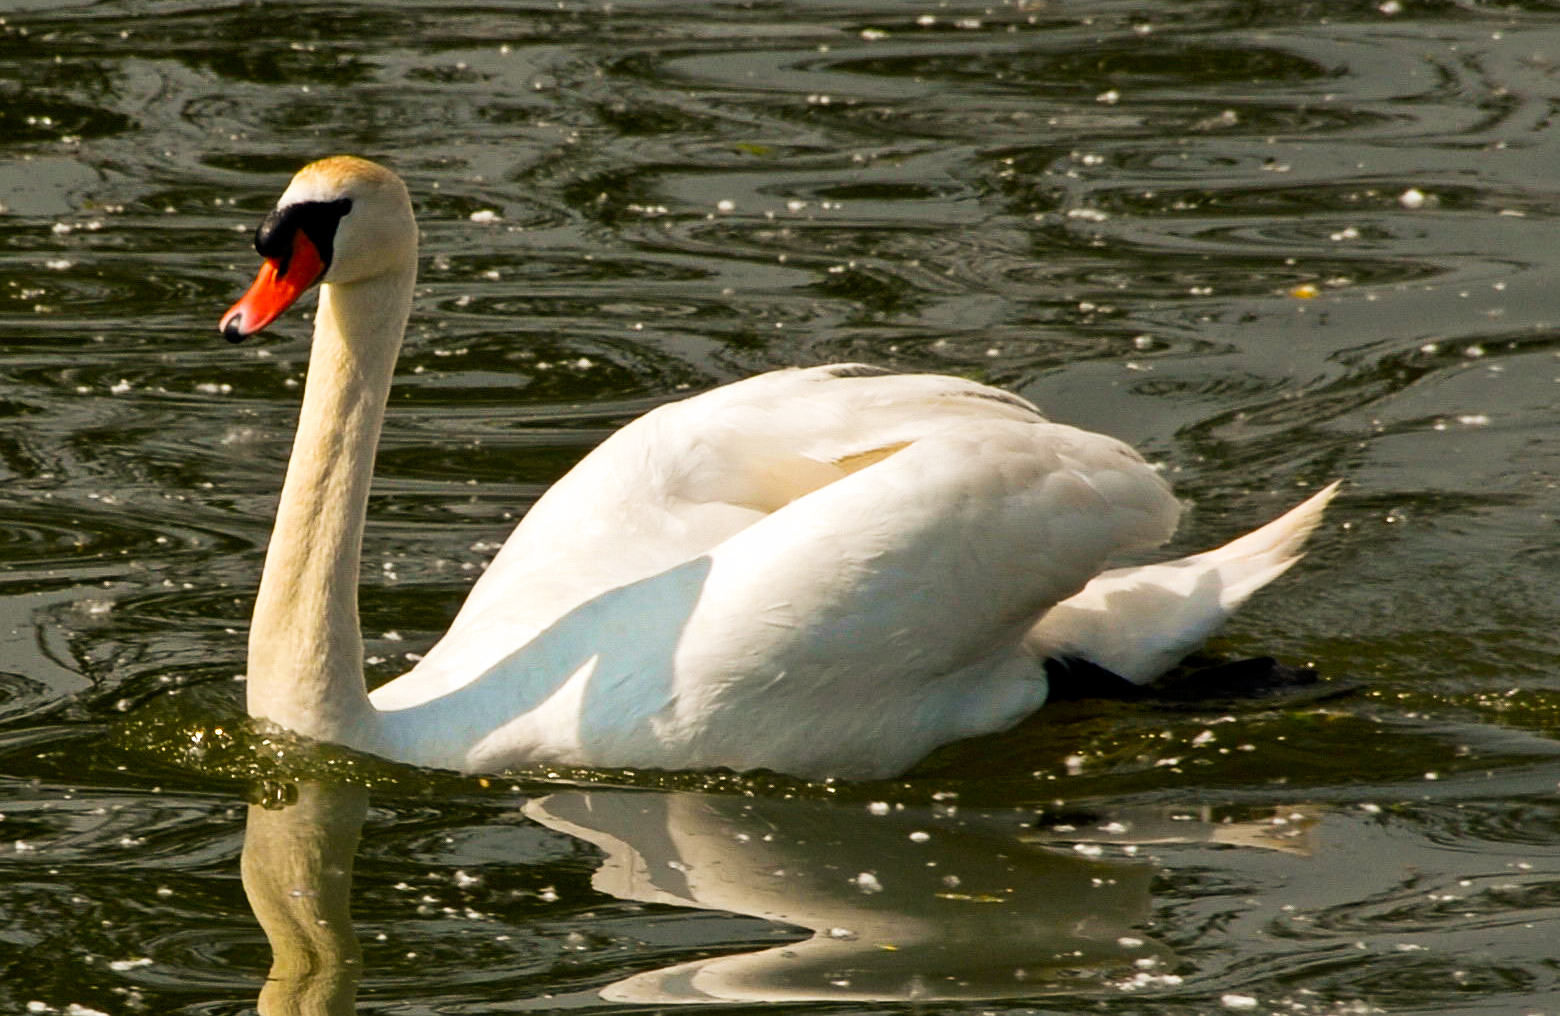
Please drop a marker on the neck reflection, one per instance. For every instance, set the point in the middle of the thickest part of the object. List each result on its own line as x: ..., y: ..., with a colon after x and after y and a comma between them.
x: 299, y: 844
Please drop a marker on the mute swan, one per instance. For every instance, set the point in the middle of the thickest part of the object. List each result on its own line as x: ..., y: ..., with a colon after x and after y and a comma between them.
x: 826, y: 572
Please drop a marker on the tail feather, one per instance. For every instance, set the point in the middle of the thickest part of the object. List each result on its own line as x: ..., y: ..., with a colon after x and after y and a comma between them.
x: 1140, y: 622
x: 1281, y: 539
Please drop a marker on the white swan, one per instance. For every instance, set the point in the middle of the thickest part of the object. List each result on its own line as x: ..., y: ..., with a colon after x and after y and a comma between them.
x: 827, y: 572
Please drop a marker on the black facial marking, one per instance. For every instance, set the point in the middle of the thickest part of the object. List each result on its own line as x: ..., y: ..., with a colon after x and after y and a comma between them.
x: 317, y: 219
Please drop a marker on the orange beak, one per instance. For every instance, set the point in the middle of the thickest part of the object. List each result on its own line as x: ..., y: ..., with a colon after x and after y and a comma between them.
x: 274, y: 290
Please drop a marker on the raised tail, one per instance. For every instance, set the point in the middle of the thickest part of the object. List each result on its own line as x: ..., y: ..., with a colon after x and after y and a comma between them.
x: 1140, y: 622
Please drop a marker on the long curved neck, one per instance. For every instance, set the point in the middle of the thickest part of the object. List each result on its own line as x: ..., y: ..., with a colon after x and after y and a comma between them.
x: 305, y: 646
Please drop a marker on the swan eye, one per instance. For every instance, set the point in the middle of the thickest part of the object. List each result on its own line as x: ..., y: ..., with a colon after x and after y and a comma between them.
x: 318, y: 221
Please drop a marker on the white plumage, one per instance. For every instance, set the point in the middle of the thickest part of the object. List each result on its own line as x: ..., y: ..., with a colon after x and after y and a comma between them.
x: 828, y: 572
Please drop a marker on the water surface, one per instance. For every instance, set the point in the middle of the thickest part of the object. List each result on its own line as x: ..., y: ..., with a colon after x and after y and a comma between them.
x: 1269, y: 245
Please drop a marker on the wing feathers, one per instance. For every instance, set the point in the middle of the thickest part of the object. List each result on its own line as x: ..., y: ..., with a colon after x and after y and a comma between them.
x: 829, y: 572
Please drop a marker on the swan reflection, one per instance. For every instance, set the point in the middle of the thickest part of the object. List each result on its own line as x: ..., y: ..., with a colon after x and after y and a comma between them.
x: 901, y: 902
x: 299, y: 845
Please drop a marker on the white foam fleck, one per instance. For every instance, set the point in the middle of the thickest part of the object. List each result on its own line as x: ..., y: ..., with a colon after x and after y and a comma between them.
x: 141, y: 961
x: 867, y: 882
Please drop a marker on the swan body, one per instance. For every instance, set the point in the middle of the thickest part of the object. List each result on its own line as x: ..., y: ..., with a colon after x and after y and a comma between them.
x: 827, y: 571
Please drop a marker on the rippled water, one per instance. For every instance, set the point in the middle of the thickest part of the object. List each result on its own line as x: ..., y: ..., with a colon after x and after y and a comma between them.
x: 1270, y: 245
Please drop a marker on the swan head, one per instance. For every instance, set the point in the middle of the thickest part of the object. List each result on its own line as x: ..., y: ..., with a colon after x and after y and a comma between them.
x: 342, y: 220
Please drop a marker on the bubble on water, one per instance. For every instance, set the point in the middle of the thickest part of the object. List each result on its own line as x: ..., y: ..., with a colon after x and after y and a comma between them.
x: 141, y: 961
x: 94, y: 607
x: 867, y: 883
x: 1087, y: 214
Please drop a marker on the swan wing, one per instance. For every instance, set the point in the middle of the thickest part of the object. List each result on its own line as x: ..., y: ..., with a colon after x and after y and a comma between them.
x: 678, y: 481
x: 884, y: 615
x: 854, y: 557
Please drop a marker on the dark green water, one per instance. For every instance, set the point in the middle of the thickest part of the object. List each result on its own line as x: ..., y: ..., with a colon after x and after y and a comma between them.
x: 1112, y: 208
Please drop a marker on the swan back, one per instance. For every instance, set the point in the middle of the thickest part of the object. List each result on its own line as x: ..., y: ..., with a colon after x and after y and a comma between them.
x: 825, y: 571
x: 687, y: 476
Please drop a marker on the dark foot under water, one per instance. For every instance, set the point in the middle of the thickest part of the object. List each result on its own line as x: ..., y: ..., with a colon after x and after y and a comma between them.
x: 1072, y: 679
